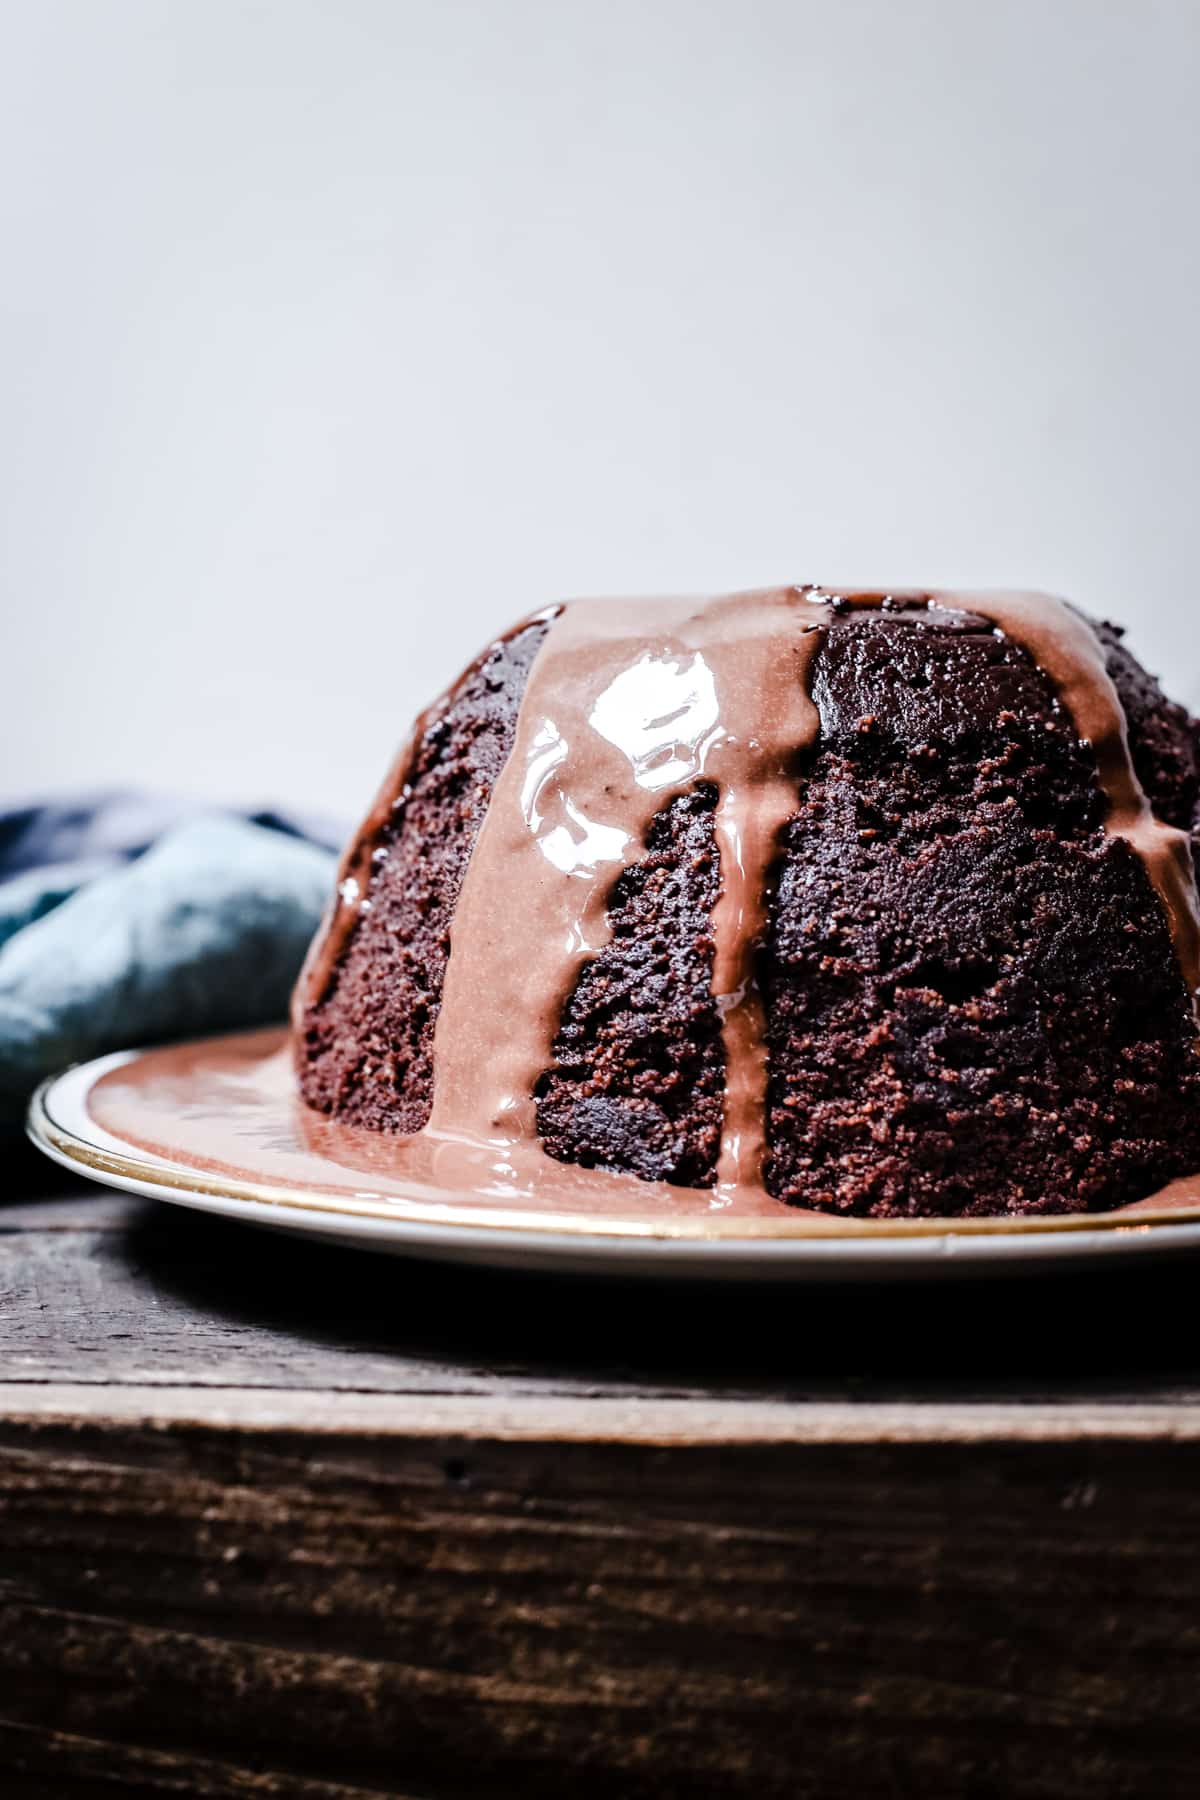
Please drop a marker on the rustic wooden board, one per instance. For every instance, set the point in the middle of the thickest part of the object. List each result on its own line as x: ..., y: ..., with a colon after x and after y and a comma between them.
x: 278, y: 1520
x: 116, y: 1291
x: 438, y: 1615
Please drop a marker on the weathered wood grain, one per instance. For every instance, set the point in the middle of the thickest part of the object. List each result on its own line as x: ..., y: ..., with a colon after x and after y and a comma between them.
x: 453, y: 1617
x: 277, y: 1520
x: 159, y: 1295
x: 38, y: 1764
x: 630, y: 1419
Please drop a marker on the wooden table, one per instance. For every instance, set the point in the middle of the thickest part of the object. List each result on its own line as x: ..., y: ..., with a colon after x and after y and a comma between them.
x: 282, y: 1520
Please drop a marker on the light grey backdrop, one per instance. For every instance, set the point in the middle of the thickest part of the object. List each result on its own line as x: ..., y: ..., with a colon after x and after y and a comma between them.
x: 334, y: 334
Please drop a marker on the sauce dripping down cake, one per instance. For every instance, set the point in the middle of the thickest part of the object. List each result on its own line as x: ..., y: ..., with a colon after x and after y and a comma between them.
x: 881, y: 904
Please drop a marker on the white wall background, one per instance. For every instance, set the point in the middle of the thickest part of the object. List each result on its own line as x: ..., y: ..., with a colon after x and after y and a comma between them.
x: 334, y: 333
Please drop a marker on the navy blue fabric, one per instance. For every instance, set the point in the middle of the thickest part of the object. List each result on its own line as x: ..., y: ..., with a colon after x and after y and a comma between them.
x: 128, y: 919
x: 120, y: 823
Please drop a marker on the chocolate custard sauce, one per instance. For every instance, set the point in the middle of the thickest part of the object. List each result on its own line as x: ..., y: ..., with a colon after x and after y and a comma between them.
x: 227, y: 1107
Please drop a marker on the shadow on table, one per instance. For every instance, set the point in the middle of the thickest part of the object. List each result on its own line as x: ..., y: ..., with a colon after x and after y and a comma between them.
x: 1050, y: 1333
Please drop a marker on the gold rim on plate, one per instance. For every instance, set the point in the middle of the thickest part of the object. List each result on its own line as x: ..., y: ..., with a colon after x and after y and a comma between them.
x: 144, y: 1167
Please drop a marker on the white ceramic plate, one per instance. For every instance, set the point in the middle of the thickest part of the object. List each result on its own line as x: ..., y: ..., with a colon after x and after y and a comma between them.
x: 346, y: 1206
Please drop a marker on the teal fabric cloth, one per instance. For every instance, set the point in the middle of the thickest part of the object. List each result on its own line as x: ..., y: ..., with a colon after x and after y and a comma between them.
x: 203, y: 932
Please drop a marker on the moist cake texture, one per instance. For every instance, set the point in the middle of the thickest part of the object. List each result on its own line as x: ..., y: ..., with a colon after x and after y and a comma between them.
x: 885, y: 903
x: 368, y: 1043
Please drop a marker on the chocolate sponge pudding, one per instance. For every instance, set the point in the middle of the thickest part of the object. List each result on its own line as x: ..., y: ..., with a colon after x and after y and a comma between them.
x: 880, y: 904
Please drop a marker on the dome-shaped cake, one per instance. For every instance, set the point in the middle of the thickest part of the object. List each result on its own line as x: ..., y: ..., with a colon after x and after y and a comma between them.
x: 884, y: 904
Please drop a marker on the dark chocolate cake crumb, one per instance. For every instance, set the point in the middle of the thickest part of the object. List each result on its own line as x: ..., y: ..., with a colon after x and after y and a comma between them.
x: 639, y: 1071
x: 973, y: 1001
x: 1162, y: 738
x: 367, y: 1052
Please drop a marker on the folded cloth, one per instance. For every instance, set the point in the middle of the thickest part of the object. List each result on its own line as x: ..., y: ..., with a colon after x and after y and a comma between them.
x: 117, y: 824
x: 122, y: 944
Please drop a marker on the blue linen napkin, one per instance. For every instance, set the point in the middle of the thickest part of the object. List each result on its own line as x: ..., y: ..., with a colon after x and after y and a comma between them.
x: 124, y: 921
